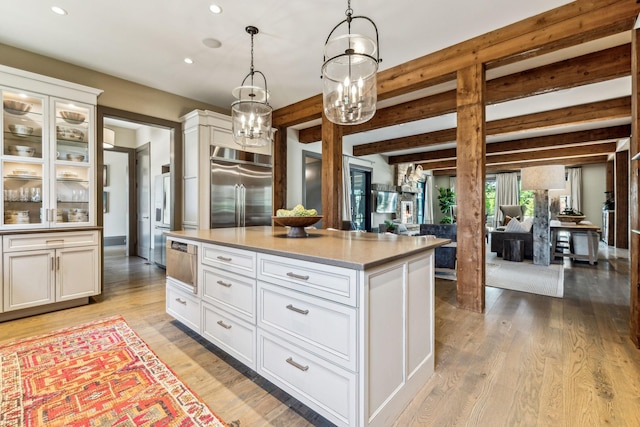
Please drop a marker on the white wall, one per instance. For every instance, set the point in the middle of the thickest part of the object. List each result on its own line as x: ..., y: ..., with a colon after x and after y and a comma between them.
x: 382, y: 172
x: 593, y: 186
x: 116, y: 219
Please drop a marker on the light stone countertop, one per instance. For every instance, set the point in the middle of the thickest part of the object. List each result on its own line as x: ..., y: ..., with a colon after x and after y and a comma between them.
x: 347, y: 249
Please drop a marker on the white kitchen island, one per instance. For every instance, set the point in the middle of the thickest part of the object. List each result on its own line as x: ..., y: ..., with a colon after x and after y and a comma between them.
x: 342, y: 321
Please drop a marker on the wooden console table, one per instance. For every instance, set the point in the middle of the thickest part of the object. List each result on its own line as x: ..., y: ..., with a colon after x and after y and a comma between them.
x: 589, y: 229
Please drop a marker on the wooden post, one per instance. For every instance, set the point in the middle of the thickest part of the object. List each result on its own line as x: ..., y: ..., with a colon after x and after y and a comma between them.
x: 471, y: 153
x: 541, y: 231
x: 280, y: 170
x: 331, y: 174
x: 634, y: 148
x: 622, y: 199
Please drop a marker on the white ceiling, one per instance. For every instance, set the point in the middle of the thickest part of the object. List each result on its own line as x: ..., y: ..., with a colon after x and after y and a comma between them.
x: 145, y: 41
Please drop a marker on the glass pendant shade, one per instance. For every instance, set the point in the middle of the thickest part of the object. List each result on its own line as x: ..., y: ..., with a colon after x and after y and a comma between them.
x: 251, y: 112
x: 349, y: 74
x: 251, y: 117
x: 349, y: 85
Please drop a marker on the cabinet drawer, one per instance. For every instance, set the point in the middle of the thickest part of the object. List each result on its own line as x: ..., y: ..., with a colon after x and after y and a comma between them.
x: 230, y: 259
x: 326, y: 281
x: 231, y: 334
x: 38, y: 241
x: 323, y: 327
x: 234, y: 292
x: 184, y: 307
x: 324, y: 387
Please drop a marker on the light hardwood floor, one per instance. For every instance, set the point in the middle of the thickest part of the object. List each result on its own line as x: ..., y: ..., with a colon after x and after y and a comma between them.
x: 528, y: 360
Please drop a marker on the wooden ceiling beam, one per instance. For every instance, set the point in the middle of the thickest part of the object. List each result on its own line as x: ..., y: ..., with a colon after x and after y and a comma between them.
x: 596, y: 111
x: 546, y: 155
x: 548, y: 141
x: 571, y: 24
x: 583, y: 70
x: 514, y: 167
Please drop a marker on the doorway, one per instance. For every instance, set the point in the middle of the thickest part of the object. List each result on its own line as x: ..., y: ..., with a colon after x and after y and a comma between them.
x: 360, y: 198
x: 143, y: 199
x: 175, y: 164
x: 312, y: 188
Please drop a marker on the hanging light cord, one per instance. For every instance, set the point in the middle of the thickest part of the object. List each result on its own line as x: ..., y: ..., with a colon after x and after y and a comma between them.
x: 251, y: 70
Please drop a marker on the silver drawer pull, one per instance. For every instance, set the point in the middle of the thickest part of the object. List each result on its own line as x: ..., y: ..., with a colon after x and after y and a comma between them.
x: 225, y: 284
x: 292, y: 362
x: 224, y: 325
x: 297, y: 310
x: 298, y: 276
x: 181, y: 301
x: 225, y: 259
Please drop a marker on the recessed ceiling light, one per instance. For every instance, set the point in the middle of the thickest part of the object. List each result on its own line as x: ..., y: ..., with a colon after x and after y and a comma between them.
x: 188, y: 60
x: 212, y: 43
x: 58, y: 10
x: 214, y: 8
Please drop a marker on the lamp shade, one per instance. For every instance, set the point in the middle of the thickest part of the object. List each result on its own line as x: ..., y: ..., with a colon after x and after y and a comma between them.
x: 548, y: 177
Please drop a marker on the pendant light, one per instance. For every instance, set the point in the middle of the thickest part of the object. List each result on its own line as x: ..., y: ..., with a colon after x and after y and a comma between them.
x: 349, y: 90
x: 251, y: 113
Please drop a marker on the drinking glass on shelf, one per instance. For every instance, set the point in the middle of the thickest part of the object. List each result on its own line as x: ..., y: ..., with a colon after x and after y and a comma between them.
x: 24, y: 194
x: 35, y: 194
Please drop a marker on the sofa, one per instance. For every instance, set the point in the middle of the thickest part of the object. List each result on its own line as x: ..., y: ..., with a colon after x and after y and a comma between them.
x: 445, y: 256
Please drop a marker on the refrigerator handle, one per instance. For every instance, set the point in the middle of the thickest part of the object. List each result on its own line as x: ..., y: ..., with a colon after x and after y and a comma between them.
x: 237, y: 204
x: 243, y: 204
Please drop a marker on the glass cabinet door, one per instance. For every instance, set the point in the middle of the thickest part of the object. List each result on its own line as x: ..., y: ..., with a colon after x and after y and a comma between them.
x: 24, y: 148
x: 72, y: 153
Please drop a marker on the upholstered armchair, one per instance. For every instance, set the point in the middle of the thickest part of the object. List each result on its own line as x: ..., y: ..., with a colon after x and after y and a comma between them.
x: 512, y: 211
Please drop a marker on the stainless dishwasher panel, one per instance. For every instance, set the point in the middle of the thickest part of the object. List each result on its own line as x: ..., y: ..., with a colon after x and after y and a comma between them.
x: 182, y: 259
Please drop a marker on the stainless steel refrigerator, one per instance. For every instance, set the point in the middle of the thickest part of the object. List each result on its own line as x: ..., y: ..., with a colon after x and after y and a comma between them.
x: 162, y: 217
x: 241, y: 188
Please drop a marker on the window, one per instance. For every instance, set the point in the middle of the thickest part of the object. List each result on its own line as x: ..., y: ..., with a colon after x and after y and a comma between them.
x: 490, y: 200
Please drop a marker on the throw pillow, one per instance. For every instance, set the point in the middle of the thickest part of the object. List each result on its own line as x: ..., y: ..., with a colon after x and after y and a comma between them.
x: 507, y: 218
x: 527, y: 224
x: 514, y: 226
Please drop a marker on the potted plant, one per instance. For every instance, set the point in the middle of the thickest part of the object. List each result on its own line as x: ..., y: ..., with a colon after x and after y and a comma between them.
x: 390, y: 226
x: 446, y: 199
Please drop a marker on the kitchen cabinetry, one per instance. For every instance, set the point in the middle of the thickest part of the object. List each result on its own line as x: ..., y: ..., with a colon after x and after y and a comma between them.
x: 48, y: 182
x: 354, y: 341
x: 202, y: 129
x: 48, y: 153
x: 48, y: 268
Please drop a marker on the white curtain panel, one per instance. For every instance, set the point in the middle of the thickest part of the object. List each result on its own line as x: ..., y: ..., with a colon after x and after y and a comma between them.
x: 452, y: 185
x: 428, y: 199
x: 346, y: 189
x: 575, y: 182
x: 507, y: 193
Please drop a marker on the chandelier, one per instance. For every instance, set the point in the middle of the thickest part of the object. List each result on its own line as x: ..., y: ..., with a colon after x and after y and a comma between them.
x: 251, y: 112
x: 349, y: 90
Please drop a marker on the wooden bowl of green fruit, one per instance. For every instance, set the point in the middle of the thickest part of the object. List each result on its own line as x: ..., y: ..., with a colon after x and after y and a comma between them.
x: 296, y: 219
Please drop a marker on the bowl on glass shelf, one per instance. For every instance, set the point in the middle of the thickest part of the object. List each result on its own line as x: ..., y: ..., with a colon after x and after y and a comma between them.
x: 72, y: 117
x: 16, y: 107
x: 21, y: 150
x: 69, y: 134
x: 75, y: 157
x: 20, y: 130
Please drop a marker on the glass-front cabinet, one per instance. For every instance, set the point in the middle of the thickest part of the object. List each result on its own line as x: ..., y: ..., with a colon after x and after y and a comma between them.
x: 48, y: 158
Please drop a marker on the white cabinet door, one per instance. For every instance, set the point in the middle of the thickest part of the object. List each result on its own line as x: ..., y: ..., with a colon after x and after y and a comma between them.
x: 28, y: 279
x: 77, y: 271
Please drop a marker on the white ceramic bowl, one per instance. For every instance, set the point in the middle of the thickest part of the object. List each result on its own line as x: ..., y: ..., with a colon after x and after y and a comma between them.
x: 69, y: 133
x: 75, y: 157
x: 72, y: 117
x: 16, y: 107
x: 21, y: 130
x: 21, y: 150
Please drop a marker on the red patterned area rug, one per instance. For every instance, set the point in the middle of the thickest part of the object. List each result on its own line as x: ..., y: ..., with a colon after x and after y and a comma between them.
x: 97, y: 374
